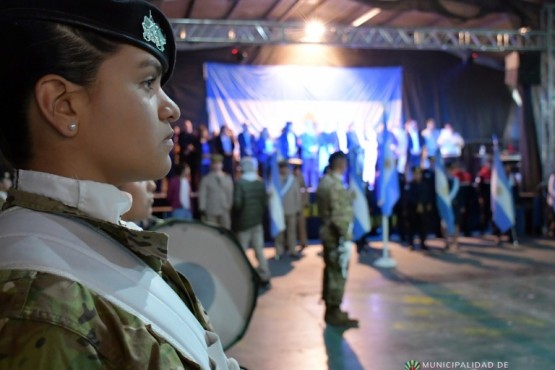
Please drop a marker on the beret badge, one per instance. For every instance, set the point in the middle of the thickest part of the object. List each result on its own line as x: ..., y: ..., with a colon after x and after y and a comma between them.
x: 153, y: 33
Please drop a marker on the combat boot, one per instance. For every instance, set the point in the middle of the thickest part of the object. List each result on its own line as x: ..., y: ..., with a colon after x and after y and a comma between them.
x: 334, y: 316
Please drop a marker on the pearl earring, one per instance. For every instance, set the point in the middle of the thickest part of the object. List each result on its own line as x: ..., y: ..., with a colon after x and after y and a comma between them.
x: 72, y: 126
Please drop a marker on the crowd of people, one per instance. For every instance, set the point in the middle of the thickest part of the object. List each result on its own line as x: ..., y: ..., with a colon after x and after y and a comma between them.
x: 225, y: 175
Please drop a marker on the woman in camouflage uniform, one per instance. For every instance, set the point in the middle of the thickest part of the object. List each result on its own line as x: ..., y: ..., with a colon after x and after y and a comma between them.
x: 82, y: 103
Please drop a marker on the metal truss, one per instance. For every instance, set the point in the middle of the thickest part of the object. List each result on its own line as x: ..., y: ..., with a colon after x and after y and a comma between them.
x: 189, y: 32
x: 546, y: 129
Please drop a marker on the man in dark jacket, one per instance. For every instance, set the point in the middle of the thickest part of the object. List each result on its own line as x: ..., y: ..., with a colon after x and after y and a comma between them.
x: 419, y: 198
x: 190, y: 152
x: 249, y: 204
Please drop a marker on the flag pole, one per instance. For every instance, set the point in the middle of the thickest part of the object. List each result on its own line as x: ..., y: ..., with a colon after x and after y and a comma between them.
x: 385, y: 261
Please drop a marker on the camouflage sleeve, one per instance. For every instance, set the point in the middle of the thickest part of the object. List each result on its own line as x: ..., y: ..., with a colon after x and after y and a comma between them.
x: 33, y: 345
x: 340, y: 214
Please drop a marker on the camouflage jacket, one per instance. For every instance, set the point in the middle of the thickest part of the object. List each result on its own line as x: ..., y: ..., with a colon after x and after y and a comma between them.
x: 49, y: 322
x: 335, y: 206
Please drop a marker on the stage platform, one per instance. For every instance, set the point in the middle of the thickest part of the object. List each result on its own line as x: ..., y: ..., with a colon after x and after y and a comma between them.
x: 483, y: 303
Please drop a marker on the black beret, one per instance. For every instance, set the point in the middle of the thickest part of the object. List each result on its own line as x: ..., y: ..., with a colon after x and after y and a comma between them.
x: 134, y: 22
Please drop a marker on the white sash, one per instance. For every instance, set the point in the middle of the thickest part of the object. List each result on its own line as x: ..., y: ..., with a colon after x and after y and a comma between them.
x: 285, y: 188
x: 74, y: 250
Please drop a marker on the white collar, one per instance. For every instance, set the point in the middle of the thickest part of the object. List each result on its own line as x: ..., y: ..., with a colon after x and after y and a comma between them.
x: 98, y: 200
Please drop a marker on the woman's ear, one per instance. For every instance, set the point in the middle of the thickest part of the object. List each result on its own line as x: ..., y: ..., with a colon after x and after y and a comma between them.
x: 59, y: 102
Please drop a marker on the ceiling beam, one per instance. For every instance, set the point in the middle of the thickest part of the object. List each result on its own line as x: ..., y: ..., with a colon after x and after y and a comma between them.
x: 190, y: 7
x: 271, y: 9
x: 231, y: 9
x: 291, y: 10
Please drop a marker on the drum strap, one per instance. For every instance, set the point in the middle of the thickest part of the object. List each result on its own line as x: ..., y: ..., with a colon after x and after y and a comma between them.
x: 62, y: 246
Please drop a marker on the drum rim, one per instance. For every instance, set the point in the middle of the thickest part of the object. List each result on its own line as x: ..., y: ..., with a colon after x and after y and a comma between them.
x: 254, y: 275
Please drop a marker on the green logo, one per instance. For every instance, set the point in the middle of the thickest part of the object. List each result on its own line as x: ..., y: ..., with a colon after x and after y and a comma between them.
x: 412, y: 365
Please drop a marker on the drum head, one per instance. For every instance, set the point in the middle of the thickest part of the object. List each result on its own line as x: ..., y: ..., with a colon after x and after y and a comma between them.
x: 219, y: 271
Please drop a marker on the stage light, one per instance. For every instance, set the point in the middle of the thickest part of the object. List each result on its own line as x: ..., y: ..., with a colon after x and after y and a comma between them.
x: 183, y: 33
x: 524, y: 30
x: 366, y: 17
x: 238, y: 54
x: 314, y: 30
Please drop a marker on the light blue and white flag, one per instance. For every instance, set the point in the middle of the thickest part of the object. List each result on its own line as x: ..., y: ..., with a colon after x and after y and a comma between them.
x: 273, y: 184
x: 388, y: 182
x: 361, y: 225
x: 443, y: 195
x: 502, y: 206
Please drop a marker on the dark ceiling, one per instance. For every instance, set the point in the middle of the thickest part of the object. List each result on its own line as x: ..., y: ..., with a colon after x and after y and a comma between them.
x: 492, y: 14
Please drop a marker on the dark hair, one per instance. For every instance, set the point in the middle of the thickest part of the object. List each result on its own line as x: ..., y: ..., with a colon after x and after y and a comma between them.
x: 180, y: 168
x: 34, y: 49
x: 336, y: 157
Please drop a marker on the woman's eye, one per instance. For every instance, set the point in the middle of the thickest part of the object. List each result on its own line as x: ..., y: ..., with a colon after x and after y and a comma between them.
x: 149, y: 84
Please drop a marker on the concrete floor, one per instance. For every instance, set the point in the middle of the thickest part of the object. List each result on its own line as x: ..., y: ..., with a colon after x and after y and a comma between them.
x: 483, y: 303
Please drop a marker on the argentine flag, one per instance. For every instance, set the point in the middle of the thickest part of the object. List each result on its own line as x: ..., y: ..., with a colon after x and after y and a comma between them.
x: 388, y: 182
x: 443, y: 197
x: 361, y: 224
x: 502, y: 207
x: 273, y: 184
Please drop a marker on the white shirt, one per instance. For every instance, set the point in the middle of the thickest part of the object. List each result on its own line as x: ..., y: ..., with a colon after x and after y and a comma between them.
x: 450, y: 143
x: 185, y: 193
x: 98, y: 200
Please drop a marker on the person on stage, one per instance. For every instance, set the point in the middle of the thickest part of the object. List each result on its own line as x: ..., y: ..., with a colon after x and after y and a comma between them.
x: 85, y: 113
x: 416, y: 145
x: 265, y: 147
x: 206, y: 143
x: 430, y: 135
x: 450, y: 142
x: 309, y: 154
x: 288, y: 142
x: 247, y: 142
x: 224, y: 145
x: 190, y: 153
x: 329, y: 144
x: 335, y: 204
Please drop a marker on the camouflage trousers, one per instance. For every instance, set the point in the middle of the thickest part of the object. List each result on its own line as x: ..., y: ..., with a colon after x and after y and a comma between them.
x: 334, y: 282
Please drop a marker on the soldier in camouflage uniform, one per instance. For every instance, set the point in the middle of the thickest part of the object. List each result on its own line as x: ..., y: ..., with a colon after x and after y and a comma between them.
x: 335, y: 206
x: 86, y: 113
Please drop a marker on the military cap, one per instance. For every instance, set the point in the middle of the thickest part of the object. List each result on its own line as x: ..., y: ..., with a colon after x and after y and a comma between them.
x: 217, y: 158
x: 134, y: 22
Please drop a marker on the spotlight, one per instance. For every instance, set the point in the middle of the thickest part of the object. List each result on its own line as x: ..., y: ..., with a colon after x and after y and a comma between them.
x: 183, y: 33
x: 314, y: 30
x: 238, y: 55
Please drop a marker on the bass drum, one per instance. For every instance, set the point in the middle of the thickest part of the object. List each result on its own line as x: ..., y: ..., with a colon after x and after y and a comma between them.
x: 219, y: 271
